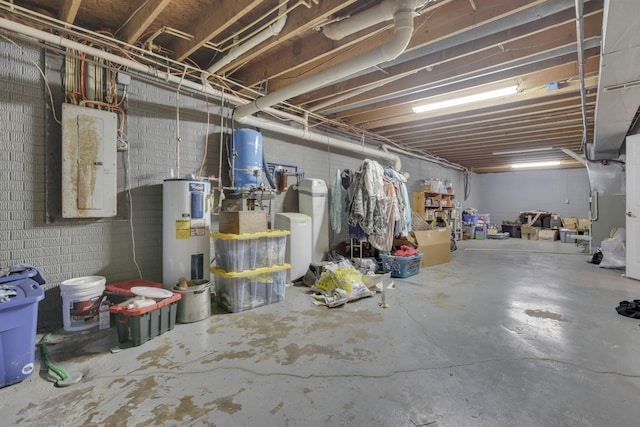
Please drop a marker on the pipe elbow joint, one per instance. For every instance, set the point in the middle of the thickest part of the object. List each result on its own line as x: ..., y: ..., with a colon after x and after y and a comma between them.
x: 332, y: 32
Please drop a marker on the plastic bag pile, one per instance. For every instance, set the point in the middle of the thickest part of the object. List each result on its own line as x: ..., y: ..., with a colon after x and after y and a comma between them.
x: 341, y: 282
x: 614, y: 252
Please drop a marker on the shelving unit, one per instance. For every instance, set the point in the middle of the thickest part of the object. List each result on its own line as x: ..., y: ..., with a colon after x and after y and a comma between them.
x: 430, y: 205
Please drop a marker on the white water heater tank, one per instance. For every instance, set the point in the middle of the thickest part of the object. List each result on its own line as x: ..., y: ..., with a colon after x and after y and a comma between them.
x: 313, y: 200
x: 298, y: 252
x: 186, y: 223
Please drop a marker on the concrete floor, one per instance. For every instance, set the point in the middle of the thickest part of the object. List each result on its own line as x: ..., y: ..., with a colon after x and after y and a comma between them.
x: 509, y: 333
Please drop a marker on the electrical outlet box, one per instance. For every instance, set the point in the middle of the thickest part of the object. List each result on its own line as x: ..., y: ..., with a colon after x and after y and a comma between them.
x: 124, y: 79
x: 89, y: 166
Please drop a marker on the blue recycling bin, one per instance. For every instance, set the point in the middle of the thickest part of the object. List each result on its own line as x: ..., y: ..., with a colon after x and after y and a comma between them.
x: 18, y: 322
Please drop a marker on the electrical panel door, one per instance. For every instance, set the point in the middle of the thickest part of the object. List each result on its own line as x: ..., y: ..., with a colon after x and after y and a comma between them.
x: 89, y: 166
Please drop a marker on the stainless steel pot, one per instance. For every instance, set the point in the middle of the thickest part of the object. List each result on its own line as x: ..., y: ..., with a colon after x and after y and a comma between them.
x: 195, y: 303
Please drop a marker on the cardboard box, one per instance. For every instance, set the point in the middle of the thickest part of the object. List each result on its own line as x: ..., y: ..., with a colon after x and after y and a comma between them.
x: 529, y: 233
x: 548, y: 234
x: 570, y: 222
x: 435, y: 245
x: 243, y: 222
x: 583, y: 223
x: 555, y: 221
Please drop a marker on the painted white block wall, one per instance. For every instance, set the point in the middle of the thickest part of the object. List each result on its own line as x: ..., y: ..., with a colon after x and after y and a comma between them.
x: 505, y: 195
x: 73, y: 248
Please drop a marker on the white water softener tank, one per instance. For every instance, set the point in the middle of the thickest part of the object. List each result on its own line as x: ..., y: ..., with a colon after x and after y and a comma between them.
x: 186, y: 221
x: 313, y: 200
x: 298, y: 252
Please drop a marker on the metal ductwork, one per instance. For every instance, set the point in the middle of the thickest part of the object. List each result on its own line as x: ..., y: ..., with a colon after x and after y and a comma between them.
x: 619, y: 85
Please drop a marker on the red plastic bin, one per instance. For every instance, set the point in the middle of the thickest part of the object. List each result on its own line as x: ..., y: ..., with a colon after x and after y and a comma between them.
x: 121, y: 291
x: 139, y: 325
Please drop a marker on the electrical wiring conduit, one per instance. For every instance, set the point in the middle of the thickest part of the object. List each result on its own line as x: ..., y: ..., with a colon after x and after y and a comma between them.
x: 177, y: 80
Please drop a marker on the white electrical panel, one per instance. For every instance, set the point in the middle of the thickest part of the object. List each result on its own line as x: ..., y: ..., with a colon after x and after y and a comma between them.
x: 89, y: 165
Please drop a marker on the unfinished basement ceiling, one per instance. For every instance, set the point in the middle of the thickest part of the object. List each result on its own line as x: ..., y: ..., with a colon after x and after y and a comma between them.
x: 458, y: 48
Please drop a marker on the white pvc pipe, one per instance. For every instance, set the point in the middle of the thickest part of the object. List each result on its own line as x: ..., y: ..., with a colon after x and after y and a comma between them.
x: 403, y: 25
x: 417, y: 156
x: 250, y: 121
x: 324, y: 140
x: 233, y: 54
x: 363, y: 20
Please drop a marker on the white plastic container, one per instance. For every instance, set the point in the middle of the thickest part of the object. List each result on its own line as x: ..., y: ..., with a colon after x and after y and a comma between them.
x: 314, y: 202
x: 299, y: 246
x: 81, y: 298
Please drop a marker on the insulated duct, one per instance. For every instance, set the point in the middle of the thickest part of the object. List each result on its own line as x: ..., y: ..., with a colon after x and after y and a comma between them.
x: 403, y: 29
x: 177, y: 80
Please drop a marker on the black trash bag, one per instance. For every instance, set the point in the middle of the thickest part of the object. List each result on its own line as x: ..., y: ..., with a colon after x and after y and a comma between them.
x: 596, y: 258
x: 629, y: 308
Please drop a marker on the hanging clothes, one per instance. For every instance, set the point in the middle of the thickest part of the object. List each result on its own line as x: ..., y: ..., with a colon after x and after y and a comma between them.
x: 363, y: 199
x: 389, y: 205
x: 377, y: 204
x: 405, y: 208
x: 336, y: 203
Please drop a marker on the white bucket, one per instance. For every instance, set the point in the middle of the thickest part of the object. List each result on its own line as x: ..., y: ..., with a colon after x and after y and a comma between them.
x: 81, y: 302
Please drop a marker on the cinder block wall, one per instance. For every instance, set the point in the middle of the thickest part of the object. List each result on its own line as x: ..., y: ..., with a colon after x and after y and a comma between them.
x: 561, y: 191
x: 67, y: 249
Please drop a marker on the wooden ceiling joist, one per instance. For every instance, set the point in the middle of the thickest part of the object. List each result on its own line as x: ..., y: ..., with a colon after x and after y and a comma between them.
x: 146, y: 11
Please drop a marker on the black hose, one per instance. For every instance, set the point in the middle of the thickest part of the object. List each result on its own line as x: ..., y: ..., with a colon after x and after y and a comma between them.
x: 266, y: 170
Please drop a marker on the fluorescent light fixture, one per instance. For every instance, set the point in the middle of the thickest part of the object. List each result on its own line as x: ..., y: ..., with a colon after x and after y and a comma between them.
x: 466, y: 99
x: 528, y: 150
x: 535, y: 164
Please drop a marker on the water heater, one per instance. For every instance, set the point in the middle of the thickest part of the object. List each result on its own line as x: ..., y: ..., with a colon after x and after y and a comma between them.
x: 246, y: 145
x: 186, y: 221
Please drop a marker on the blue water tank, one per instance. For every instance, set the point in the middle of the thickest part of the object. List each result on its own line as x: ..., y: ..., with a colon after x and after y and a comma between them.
x: 247, y: 145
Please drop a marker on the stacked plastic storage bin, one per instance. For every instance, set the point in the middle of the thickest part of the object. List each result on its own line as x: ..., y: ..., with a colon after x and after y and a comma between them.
x: 250, y: 271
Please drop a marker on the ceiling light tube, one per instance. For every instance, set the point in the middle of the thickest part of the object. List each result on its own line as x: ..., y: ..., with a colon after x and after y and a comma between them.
x: 535, y: 164
x: 528, y: 150
x: 492, y: 94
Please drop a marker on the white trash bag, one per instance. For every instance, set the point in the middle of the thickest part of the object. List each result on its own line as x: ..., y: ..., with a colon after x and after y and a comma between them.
x: 614, y: 251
